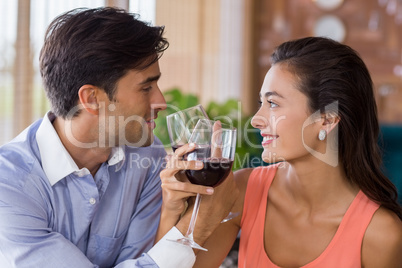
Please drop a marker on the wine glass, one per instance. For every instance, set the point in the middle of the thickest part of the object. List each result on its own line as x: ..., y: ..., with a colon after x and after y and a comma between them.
x: 215, y: 145
x: 181, y: 124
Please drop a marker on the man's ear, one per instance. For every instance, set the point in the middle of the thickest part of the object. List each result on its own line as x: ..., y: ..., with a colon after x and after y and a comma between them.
x: 88, y: 96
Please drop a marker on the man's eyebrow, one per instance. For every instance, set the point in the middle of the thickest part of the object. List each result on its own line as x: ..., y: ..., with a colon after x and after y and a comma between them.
x: 150, y: 79
x: 272, y: 93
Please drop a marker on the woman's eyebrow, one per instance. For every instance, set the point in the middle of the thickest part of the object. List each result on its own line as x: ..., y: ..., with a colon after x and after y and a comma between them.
x: 272, y: 93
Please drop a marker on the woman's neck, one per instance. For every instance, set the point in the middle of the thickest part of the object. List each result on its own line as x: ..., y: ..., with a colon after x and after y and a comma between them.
x: 316, y: 185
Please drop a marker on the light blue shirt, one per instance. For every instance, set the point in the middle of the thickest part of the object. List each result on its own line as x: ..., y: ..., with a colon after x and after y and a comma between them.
x: 52, y: 214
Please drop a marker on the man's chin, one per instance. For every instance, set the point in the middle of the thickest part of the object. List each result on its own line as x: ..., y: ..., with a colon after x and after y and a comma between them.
x: 139, y: 143
x: 149, y: 141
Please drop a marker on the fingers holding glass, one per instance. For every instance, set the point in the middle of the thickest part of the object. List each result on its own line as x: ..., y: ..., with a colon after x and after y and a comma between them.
x: 215, y: 145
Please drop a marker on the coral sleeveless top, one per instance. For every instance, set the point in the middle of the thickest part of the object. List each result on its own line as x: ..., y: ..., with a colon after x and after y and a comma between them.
x: 344, y: 250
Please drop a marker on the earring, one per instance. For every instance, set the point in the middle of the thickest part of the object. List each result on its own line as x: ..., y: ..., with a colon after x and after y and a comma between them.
x: 322, y: 135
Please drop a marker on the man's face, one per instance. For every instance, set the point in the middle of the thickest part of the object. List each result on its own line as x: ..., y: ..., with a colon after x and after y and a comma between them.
x: 129, y: 117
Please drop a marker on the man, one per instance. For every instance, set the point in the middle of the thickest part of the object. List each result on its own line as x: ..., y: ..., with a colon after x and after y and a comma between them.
x: 81, y: 187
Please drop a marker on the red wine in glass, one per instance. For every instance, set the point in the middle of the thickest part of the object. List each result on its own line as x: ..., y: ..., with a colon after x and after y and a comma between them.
x: 215, y: 147
x: 213, y: 173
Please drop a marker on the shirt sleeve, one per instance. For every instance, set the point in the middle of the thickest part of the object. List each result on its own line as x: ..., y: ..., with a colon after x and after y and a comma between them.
x: 145, y: 220
x: 165, y: 254
x: 26, y: 240
x: 169, y: 254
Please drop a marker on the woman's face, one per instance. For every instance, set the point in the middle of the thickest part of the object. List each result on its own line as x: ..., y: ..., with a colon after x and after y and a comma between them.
x: 284, y: 118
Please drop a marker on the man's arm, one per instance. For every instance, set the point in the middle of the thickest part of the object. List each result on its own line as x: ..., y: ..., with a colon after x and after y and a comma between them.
x: 165, y: 253
x: 26, y: 240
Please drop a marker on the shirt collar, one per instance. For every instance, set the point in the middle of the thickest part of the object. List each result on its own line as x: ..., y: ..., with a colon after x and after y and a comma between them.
x: 57, y: 163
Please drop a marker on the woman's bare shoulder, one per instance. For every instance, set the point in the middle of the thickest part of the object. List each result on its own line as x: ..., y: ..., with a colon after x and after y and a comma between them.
x: 382, y: 243
x: 241, y: 177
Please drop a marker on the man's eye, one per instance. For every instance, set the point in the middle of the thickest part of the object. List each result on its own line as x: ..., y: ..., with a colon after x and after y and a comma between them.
x: 147, y: 89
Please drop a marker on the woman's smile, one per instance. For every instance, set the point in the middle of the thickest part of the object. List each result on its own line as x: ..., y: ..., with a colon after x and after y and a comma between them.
x: 268, y: 139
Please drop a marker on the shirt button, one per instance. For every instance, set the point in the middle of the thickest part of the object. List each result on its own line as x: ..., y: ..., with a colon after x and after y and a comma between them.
x: 92, y: 201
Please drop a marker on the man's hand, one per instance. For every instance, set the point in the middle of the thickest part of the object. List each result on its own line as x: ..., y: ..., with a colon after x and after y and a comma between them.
x: 176, y: 189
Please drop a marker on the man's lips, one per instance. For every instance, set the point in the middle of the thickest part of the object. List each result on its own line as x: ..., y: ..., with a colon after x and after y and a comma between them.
x: 151, y: 123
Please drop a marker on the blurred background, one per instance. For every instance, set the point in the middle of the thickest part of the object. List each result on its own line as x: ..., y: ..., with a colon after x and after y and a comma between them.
x: 218, y: 55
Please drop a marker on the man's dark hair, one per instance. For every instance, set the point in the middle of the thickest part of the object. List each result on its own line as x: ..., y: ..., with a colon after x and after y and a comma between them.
x: 97, y: 47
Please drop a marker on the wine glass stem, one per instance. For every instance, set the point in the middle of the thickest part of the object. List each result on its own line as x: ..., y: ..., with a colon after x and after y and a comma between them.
x: 190, y: 229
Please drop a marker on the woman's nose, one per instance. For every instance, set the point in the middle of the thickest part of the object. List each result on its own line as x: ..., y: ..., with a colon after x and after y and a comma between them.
x: 259, y: 121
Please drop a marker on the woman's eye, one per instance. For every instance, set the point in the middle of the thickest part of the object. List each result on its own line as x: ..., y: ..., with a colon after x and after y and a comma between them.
x: 260, y: 103
x: 272, y: 104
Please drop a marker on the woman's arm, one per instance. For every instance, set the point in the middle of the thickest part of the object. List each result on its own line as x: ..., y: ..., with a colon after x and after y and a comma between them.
x: 222, y: 239
x: 382, y: 242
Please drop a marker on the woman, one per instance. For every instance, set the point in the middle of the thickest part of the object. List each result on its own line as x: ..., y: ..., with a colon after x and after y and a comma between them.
x: 327, y: 204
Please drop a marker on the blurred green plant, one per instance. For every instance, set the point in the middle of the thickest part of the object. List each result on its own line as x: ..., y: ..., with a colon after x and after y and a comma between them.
x: 248, y: 150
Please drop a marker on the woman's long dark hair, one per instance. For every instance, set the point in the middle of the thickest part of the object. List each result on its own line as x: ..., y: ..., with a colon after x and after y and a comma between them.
x: 330, y: 72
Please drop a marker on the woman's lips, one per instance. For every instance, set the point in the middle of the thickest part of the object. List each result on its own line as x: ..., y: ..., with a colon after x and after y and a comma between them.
x: 268, y: 139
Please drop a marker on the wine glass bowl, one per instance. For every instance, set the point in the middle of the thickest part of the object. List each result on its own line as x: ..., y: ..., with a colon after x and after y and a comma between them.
x: 212, y: 174
x: 215, y: 145
x: 181, y: 124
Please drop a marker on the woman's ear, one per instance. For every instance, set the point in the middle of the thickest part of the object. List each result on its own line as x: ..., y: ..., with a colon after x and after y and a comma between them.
x: 88, y: 97
x: 330, y: 121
